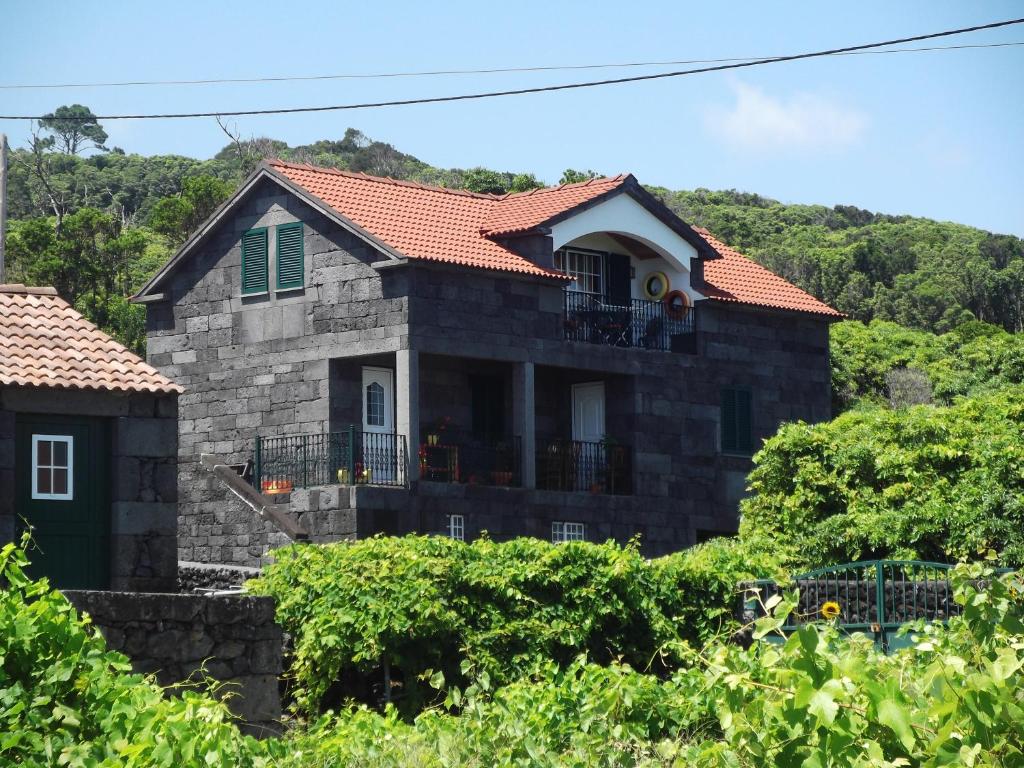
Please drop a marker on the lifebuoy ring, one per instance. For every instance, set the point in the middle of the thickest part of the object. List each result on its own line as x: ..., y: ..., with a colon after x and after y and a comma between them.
x: 656, y: 285
x: 677, y: 304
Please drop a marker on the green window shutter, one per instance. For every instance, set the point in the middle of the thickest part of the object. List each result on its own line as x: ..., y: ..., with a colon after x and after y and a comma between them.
x: 254, y: 261
x: 736, y: 421
x: 744, y: 442
x: 728, y: 419
x: 290, y: 257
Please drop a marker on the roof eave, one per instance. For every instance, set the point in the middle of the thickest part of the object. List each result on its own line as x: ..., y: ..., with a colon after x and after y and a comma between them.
x: 148, y: 293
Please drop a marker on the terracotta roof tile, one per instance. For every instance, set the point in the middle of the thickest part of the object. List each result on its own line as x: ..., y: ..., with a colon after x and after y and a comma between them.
x: 524, y: 211
x: 44, y: 342
x: 419, y: 222
x: 734, y: 277
x: 460, y: 227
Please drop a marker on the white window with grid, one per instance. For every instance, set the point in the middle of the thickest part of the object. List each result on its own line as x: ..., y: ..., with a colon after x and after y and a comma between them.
x: 457, y: 527
x: 375, y: 405
x: 52, y: 470
x: 586, y: 269
x: 562, y: 532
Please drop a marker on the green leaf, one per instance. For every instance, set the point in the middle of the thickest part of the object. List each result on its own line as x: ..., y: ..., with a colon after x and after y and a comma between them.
x: 897, y: 719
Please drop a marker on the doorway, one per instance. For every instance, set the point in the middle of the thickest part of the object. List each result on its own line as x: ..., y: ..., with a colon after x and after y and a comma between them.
x: 379, y: 450
x: 62, y: 493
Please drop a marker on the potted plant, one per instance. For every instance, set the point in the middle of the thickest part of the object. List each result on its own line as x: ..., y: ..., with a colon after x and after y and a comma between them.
x: 437, y: 429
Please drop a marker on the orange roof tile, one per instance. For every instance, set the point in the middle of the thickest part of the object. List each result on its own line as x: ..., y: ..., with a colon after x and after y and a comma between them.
x: 418, y: 221
x: 524, y: 211
x: 46, y: 343
x: 462, y: 227
x: 734, y: 277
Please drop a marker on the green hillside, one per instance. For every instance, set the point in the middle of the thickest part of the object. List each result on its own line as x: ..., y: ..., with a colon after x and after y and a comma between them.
x: 96, y: 226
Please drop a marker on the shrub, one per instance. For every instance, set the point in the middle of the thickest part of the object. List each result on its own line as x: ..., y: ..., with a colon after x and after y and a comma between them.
x: 66, y: 700
x: 402, y: 607
x: 924, y: 482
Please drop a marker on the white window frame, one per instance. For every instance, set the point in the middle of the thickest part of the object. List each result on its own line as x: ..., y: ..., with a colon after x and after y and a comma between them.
x: 36, y: 466
x: 586, y: 268
x: 457, y: 527
x: 562, y: 531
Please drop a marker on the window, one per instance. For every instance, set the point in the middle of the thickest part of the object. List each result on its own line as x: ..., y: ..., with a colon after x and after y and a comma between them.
x: 375, y: 405
x: 290, y: 256
x: 52, y: 459
x: 736, y: 432
x: 562, y: 532
x: 585, y: 267
x: 457, y: 527
x: 254, y: 261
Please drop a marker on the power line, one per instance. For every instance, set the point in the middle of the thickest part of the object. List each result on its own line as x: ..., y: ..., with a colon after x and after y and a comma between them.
x: 488, y: 71
x: 545, y: 89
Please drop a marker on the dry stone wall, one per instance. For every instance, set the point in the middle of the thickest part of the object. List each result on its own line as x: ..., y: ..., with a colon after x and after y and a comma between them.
x: 233, y: 637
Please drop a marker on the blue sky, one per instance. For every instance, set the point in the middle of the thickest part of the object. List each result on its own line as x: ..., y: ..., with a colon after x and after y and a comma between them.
x: 936, y: 134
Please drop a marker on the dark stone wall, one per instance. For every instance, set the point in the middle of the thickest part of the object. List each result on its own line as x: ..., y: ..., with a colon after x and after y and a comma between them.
x: 143, y: 476
x: 233, y: 637
x: 261, y: 364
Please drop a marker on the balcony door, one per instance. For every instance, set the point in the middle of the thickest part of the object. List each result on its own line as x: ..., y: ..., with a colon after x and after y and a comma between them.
x: 588, y: 412
x: 379, y: 447
x: 588, y: 427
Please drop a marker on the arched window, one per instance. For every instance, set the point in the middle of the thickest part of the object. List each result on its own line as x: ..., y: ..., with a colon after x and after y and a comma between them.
x: 375, y: 405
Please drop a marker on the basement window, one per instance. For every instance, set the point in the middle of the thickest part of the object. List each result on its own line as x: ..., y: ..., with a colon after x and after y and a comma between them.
x: 457, y: 527
x: 562, y: 532
x: 52, y: 460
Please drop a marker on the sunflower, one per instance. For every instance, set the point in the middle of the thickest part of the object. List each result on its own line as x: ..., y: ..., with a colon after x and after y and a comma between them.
x: 830, y: 609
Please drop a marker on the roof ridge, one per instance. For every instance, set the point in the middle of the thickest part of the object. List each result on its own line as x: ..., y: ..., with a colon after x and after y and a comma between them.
x: 383, y: 179
x: 558, y: 187
x: 20, y: 288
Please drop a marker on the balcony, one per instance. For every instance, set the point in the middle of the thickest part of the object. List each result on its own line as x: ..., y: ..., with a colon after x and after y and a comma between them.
x: 453, y: 457
x: 351, y: 457
x: 642, y: 323
x: 575, y: 465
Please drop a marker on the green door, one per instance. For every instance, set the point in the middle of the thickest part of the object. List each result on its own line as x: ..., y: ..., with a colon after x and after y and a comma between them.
x: 62, y: 491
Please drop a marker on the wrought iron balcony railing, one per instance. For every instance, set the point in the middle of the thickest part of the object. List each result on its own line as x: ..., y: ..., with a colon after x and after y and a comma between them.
x: 350, y: 457
x: 575, y: 465
x: 641, y: 323
x: 454, y: 457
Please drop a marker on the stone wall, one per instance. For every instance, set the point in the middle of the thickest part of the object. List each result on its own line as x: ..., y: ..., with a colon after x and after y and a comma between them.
x: 143, y: 479
x: 260, y: 364
x: 234, y: 638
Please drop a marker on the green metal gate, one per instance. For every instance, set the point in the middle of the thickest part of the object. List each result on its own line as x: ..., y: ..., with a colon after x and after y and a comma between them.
x: 875, y: 597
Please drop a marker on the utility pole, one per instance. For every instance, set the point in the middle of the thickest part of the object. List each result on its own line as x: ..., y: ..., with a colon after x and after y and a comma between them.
x: 3, y: 203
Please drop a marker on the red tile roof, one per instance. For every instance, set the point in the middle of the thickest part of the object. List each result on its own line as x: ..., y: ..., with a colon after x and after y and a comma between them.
x: 418, y: 221
x: 46, y: 343
x: 528, y: 210
x: 734, y: 277
x: 462, y: 227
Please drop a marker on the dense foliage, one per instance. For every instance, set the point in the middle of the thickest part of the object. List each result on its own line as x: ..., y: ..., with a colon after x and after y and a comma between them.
x: 974, y: 359
x: 403, y: 607
x: 954, y: 698
x: 918, y: 272
x: 938, y: 483
x: 66, y: 700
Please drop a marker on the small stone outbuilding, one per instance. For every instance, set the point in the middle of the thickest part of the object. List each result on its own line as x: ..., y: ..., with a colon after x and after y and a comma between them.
x: 88, y: 449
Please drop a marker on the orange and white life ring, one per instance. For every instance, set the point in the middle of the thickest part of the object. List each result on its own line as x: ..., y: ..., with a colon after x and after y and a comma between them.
x: 656, y: 285
x: 677, y: 304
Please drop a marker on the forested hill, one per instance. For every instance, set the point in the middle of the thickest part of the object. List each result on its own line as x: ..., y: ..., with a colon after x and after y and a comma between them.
x: 96, y: 226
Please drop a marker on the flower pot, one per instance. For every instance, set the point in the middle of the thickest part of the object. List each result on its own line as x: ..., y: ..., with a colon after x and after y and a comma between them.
x: 272, y: 487
x: 501, y: 478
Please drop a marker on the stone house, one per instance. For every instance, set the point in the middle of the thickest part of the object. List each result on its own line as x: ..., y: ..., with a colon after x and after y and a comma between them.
x: 572, y: 362
x: 88, y: 449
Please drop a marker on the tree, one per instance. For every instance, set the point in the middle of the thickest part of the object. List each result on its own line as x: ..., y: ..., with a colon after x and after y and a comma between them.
x: 177, y: 217
x: 72, y: 127
x: 571, y: 176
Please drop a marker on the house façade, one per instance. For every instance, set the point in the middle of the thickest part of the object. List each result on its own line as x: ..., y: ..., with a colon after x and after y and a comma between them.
x: 570, y: 363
